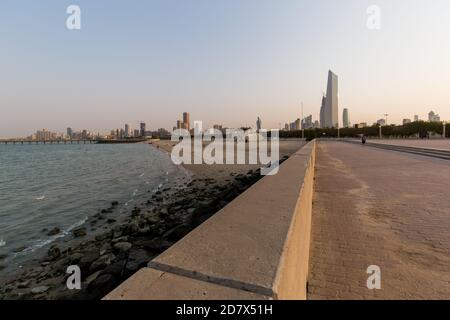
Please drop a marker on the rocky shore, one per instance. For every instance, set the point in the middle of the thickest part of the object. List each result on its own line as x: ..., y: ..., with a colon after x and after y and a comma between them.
x: 111, y: 256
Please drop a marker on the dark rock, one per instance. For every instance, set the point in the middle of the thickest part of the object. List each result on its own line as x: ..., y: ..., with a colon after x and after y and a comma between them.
x: 177, y: 232
x: 157, y: 245
x: 101, y: 263
x: 88, y: 258
x: 111, y: 220
x: 120, y: 239
x: 102, y: 285
x: 40, y: 289
x: 61, y: 265
x: 92, y: 277
x: 103, y: 236
x: 54, y: 252
x: 175, y: 209
x: 137, y: 259
x: 116, y: 268
x: 115, y: 203
x: 24, y: 284
x: 75, y: 258
x: 79, y: 232
x: 54, y: 231
x: 135, y: 212
x: 163, y: 212
x: 122, y: 246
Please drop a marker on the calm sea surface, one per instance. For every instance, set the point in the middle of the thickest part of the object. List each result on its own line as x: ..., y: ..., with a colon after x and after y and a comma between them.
x: 46, y: 186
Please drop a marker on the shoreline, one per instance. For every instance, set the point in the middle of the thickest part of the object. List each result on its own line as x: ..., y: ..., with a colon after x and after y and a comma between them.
x: 110, y: 257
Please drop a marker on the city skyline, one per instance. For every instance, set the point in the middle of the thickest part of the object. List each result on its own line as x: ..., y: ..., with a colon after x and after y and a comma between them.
x: 238, y: 61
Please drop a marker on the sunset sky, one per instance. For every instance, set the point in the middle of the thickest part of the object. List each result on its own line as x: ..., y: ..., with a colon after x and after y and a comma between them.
x: 224, y: 61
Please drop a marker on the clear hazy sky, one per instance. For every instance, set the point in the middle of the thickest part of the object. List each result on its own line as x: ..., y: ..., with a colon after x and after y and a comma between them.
x: 224, y: 61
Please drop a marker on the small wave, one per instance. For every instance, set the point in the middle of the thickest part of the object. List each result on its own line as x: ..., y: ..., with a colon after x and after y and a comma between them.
x: 135, y: 192
x: 2, y: 243
x: 142, y: 175
x: 40, y: 197
x: 43, y: 242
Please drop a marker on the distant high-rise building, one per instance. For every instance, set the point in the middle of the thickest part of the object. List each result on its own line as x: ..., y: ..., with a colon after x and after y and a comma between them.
x: 416, y: 118
x: 258, y: 124
x: 307, y: 123
x: 322, y: 112
x: 142, y: 129
x: 297, y: 124
x: 179, y: 124
x: 330, y: 110
x: 198, y: 127
x: 69, y: 133
x: 432, y: 117
x: 186, y: 121
x: 292, y: 126
x: 127, y: 131
x: 286, y: 127
x: 406, y: 121
x: 345, y: 118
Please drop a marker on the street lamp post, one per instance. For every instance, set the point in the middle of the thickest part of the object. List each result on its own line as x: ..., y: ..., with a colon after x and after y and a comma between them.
x: 443, y: 130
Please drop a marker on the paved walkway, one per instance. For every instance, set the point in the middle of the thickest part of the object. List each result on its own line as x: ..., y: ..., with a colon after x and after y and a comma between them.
x: 379, y: 207
x: 443, y: 144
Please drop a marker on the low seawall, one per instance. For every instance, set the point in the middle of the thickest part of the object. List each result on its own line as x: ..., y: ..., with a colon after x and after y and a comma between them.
x: 257, y: 247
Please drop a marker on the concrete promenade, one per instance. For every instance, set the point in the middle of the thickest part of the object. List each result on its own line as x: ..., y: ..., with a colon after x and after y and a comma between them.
x: 384, y: 208
x: 442, y: 144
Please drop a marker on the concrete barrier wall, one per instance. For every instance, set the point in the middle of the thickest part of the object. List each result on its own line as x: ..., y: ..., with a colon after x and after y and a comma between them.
x: 257, y: 247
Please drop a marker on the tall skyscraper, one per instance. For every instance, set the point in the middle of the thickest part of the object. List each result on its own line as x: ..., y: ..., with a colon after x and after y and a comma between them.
x: 307, y: 122
x: 345, y: 119
x: 322, y: 112
x: 186, y: 121
x: 330, y: 112
x: 69, y: 133
x: 142, y: 129
x: 179, y: 124
x: 127, y: 130
x: 416, y: 118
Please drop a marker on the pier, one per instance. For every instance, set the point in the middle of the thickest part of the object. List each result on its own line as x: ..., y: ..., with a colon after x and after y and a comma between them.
x: 25, y: 141
x: 69, y: 141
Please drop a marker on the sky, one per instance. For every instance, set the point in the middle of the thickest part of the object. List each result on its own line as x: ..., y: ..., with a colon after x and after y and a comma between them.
x: 224, y: 61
